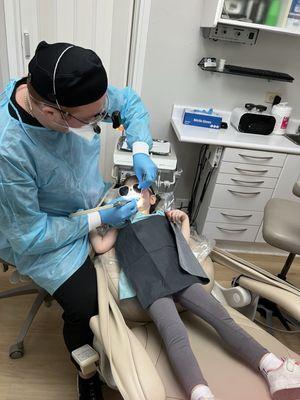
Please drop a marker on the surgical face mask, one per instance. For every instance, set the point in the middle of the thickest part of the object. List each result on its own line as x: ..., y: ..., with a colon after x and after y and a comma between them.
x: 86, y: 132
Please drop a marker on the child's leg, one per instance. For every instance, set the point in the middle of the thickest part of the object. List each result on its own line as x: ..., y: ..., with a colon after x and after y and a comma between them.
x: 173, y: 332
x: 196, y: 299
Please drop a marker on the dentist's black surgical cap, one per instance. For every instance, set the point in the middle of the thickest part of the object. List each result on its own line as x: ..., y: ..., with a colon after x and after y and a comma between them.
x: 80, y: 76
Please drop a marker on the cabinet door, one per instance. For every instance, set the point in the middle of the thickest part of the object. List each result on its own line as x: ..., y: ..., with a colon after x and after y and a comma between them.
x: 289, y: 175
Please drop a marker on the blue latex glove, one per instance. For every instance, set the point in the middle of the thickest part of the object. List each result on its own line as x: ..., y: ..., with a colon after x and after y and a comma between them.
x: 145, y: 170
x: 118, y: 215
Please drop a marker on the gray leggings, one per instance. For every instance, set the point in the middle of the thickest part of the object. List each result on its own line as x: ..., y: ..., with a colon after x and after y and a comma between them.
x: 172, y: 330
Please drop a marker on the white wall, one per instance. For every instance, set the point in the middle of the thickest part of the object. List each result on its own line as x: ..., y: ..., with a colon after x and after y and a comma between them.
x: 175, y: 46
x: 3, y: 50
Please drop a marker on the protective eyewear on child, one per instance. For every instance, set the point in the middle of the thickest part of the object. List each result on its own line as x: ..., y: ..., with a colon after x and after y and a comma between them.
x: 124, y: 190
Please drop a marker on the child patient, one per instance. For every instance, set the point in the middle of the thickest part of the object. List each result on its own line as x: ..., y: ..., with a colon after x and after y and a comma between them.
x: 152, y: 270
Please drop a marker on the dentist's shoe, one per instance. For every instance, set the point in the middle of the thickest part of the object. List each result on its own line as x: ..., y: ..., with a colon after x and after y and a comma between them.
x: 284, y: 382
x: 89, y: 389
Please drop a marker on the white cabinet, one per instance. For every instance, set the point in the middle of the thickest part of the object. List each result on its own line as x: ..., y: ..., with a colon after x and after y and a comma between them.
x: 233, y: 206
x: 243, y: 13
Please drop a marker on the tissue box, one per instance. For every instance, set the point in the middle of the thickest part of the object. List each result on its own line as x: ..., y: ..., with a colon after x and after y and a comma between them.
x: 203, y: 118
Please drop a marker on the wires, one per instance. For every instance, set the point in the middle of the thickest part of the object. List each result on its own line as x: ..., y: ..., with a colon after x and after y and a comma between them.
x: 199, y: 169
x: 193, y: 207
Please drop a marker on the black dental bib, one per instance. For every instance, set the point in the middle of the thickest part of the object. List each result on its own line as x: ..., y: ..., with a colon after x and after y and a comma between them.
x: 156, y: 259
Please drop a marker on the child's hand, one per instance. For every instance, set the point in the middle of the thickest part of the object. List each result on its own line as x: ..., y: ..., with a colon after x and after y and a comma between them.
x: 177, y: 216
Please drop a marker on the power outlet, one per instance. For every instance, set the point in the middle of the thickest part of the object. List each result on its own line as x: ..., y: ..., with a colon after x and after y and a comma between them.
x: 231, y: 33
x: 270, y: 96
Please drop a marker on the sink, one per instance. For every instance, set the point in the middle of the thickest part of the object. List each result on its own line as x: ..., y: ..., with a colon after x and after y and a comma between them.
x: 294, y: 138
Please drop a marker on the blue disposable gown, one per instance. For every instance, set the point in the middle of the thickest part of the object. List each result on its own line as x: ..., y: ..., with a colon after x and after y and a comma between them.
x: 44, y: 176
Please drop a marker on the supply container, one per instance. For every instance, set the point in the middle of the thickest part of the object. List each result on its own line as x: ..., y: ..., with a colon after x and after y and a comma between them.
x: 281, y: 112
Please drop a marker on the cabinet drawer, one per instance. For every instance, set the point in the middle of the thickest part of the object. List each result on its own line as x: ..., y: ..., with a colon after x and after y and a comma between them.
x: 229, y: 216
x: 246, y: 180
x: 251, y: 170
x: 240, y: 198
x: 242, y: 233
x: 254, y: 157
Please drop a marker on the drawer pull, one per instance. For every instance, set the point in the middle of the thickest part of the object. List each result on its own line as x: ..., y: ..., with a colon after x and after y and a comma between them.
x: 256, y: 157
x: 237, y: 216
x: 253, y: 182
x: 232, y: 230
x: 262, y: 171
x: 243, y: 193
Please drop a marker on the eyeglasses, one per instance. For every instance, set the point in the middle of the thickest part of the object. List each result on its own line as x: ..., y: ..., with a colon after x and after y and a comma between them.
x: 124, y: 190
x: 100, y: 116
x: 258, y: 107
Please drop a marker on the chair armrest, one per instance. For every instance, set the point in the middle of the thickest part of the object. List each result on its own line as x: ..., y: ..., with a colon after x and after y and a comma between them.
x: 296, y: 189
x: 290, y: 302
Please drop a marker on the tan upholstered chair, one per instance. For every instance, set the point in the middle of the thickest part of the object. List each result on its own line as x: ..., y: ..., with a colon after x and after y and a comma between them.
x: 16, y: 350
x: 281, y: 227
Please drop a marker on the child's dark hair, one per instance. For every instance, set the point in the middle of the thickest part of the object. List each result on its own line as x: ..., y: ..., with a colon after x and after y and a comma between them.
x: 133, y: 179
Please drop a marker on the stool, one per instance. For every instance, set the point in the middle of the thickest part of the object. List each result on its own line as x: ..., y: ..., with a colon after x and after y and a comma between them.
x: 281, y: 227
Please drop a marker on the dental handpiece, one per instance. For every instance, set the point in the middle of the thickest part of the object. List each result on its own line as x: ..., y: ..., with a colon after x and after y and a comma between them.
x: 119, y: 203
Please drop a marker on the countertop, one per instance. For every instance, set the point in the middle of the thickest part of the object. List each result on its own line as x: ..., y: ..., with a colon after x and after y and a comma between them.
x: 231, y: 137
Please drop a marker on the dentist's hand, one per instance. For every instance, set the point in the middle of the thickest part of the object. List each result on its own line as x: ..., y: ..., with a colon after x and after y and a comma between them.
x: 145, y: 170
x: 118, y: 215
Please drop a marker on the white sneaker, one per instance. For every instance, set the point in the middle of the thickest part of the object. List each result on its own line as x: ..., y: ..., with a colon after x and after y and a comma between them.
x: 284, y: 382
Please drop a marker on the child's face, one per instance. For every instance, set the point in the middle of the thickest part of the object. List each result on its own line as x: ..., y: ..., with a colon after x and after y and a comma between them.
x: 146, y: 200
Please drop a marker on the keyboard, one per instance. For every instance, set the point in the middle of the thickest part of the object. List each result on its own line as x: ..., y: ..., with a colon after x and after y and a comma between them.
x: 263, y: 73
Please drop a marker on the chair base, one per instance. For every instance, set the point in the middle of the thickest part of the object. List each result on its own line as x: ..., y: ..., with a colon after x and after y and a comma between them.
x: 16, y: 350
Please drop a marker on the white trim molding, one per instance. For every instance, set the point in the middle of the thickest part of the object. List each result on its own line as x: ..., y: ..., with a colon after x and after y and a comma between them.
x: 140, y: 27
x: 14, y: 38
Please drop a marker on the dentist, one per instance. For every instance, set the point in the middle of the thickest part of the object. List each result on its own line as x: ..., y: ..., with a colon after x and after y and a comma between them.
x: 49, y: 168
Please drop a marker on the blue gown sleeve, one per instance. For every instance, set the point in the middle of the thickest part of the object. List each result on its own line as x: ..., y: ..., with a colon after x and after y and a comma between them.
x: 29, y: 230
x: 135, y: 117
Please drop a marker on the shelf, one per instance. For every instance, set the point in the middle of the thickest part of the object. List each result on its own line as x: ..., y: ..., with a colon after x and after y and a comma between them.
x: 258, y: 26
x: 259, y: 75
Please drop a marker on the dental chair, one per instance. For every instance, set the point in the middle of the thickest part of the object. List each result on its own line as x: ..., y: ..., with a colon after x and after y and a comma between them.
x: 16, y: 350
x: 132, y: 356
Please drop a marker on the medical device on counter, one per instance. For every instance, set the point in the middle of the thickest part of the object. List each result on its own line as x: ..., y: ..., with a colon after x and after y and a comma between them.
x: 252, y: 119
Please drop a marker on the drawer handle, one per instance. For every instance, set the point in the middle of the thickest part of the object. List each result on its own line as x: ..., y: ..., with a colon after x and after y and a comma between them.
x: 262, y: 171
x: 232, y: 230
x: 237, y: 216
x: 256, y: 157
x: 243, y: 193
x: 253, y: 182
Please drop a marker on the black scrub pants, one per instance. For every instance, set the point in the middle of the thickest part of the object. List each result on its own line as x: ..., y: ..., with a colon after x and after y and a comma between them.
x: 78, y: 298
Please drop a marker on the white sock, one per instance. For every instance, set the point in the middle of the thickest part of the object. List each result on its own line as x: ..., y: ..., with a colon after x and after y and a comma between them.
x: 201, y: 392
x: 270, y: 362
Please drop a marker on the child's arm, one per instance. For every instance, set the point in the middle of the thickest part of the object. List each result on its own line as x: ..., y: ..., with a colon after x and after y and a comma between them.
x: 102, y: 244
x: 183, y: 219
